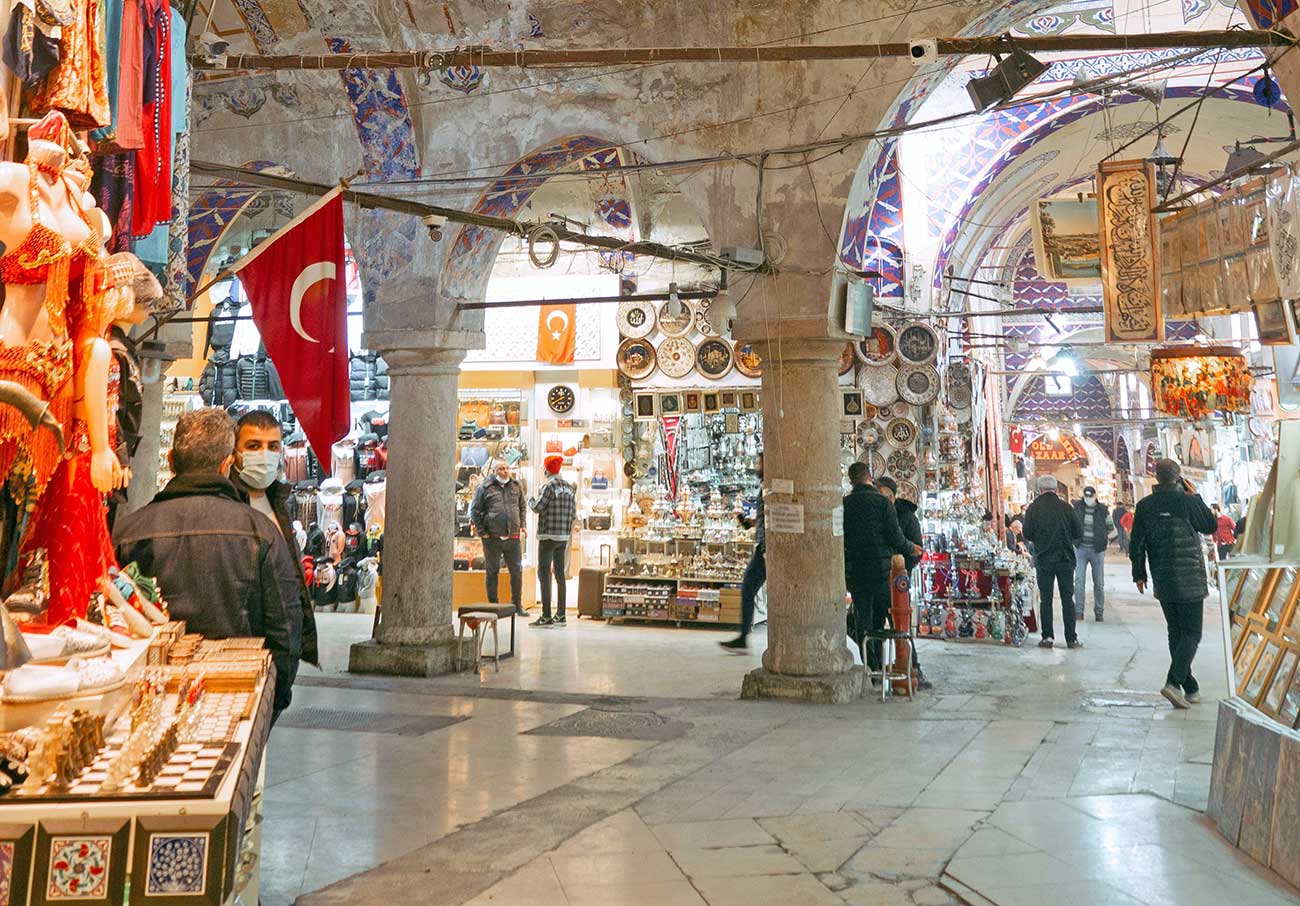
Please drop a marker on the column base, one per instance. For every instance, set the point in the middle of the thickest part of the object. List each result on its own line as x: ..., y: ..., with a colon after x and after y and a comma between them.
x: 433, y: 659
x: 831, y: 689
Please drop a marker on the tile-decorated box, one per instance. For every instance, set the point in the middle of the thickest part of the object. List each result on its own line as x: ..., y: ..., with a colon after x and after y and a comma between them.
x: 15, y: 862
x: 80, y: 862
x: 179, y: 860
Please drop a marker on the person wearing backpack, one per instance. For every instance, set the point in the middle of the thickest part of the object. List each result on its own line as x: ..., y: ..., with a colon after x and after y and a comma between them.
x: 1167, y: 525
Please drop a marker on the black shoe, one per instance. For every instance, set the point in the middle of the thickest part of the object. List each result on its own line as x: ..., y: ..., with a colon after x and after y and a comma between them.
x: 520, y: 611
x: 560, y: 621
x: 924, y: 685
x: 1099, y: 617
x: 736, y: 646
x: 1077, y: 643
x: 1045, y: 643
x: 542, y: 621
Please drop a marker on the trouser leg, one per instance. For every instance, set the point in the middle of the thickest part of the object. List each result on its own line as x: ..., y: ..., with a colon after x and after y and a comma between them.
x: 1081, y: 561
x: 1098, y: 582
x: 1065, y: 579
x: 491, y: 567
x: 511, y: 551
x: 754, y: 579
x: 1185, y: 620
x: 1046, y: 577
x: 560, y: 554
x: 544, y: 566
x: 877, y: 611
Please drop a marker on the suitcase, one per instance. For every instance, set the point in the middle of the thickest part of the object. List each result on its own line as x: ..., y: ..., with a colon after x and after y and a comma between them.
x: 591, y: 587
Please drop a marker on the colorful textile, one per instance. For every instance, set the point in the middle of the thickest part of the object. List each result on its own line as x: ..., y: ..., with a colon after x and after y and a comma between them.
x: 78, y: 85
x: 112, y: 186
x: 153, y: 174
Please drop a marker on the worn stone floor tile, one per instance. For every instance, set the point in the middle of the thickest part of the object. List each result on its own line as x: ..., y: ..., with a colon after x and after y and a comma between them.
x: 736, y: 862
x: 660, y: 893
x: 780, y: 890
x: 815, y: 828
x: 1018, y: 869
x: 876, y: 893
x: 893, y: 864
x: 1067, y: 893
x: 820, y: 856
x: 533, y: 885
x: 580, y: 871
x: 624, y: 832
x: 711, y: 834
x: 992, y: 841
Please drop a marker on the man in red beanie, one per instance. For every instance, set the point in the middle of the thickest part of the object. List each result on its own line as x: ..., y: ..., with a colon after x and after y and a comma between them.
x: 555, y: 508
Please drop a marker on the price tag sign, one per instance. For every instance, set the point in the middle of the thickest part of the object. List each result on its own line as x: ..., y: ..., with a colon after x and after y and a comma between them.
x: 837, y: 522
x: 786, y: 518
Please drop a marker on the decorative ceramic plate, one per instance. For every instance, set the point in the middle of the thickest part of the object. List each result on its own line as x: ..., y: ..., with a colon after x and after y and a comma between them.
x: 561, y: 399
x: 918, y: 384
x: 959, y: 385
x: 635, y: 319
x: 629, y: 469
x: 902, y: 464
x: 636, y: 358
x: 676, y: 325
x: 629, y: 452
x: 908, y: 491
x: 875, y: 462
x: 748, y: 362
x: 676, y: 357
x: 878, y: 347
x: 879, y: 385
x: 713, y: 358
x: 901, y: 432
x: 702, y: 322
x: 885, y: 412
x: 918, y: 344
x: 846, y: 360
x: 625, y: 396
x: 963, y: 415
x: 869, y: 411
x: 870, y: 437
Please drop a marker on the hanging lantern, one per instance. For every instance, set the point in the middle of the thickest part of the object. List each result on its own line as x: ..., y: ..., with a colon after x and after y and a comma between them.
x: 1193, y: 382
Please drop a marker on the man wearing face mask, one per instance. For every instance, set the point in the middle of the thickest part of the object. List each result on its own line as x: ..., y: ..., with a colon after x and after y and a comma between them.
x: 1090, y: 551
x: 259, y: 440
x: 226, y: 570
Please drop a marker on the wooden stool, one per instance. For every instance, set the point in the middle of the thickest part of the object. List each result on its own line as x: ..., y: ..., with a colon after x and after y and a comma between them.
x: 475, y: 616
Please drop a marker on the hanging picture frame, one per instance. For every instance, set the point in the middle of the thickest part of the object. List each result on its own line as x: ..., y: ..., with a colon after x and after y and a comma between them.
x: 712, y: 401
x: 644, y: 404
x: 1272, y: 322
x: 670, y: 404
x: 692, y: 401
x: 851, y: 404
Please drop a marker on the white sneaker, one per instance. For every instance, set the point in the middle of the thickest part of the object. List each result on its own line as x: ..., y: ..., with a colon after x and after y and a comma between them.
x: 1176, y: 697
x: 1193, y: 697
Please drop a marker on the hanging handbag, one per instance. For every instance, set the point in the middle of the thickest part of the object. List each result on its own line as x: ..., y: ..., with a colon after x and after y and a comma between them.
x: 512, y: 414
x: 554, y: 445
x: 498, y: 416
x: 599, y: 480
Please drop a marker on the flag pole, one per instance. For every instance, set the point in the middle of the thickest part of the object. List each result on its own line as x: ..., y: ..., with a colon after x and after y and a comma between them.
x: 239, y: 265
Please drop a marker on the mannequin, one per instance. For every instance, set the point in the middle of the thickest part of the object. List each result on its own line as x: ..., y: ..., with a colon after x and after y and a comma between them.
x: 50, y: 236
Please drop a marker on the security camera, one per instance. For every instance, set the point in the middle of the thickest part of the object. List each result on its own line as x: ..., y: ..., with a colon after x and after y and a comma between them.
x: 434, y: 224
x: 923, y: 51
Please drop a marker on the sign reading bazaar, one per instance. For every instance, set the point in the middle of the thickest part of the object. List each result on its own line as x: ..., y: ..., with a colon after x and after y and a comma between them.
x: 1066, y: 449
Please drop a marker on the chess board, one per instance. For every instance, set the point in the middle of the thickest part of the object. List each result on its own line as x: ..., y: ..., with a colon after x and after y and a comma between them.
x: 196, y: 770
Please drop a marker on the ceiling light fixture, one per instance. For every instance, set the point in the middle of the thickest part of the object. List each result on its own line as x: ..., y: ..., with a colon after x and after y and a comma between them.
x: 1008, y: 77
x: 674, y: 308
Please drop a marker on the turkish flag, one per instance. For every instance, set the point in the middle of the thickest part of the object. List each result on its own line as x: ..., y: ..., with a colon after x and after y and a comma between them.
x: 555, y: 330
x: 299, y: 299
x: 1017, y: 440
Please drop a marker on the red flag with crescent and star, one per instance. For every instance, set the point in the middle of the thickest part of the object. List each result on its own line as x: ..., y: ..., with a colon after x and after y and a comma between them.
x: 298, y: 293
x: 555, y: 334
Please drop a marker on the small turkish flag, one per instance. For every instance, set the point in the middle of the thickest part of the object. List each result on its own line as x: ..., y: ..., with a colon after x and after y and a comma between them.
x: 1017, y: 440
x: 300, y: 306
x: 555, y: 331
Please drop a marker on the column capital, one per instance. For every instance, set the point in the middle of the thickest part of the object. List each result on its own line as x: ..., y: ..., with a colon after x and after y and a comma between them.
x: 800, y: 348
x: 417, y: 352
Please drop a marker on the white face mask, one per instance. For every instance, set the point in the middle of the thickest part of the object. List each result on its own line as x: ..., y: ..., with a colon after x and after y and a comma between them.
x: 260, y: 468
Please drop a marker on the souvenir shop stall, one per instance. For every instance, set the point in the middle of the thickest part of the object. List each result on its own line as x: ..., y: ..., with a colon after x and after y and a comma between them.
x: 688, y: 447
x: 130, y: 750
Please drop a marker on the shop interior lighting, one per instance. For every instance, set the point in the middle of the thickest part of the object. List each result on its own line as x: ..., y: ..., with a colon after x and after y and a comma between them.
x: 674, y: 308
x: 1078, y: 430
x: 1065, y: 363
x: 1248, y: 156
x: 722, y: 311
x: 1053, y: 432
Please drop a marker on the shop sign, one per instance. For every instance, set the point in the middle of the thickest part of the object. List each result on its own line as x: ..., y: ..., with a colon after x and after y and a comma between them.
x: 1067, y: 449
x: 1130, y: 260
x: 784, y: 518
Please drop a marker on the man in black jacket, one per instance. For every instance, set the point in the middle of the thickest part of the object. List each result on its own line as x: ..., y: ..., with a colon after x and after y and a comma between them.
x: 1091, y: 551
x: 1052, y: 528
x: 225, y: 570
x: 497, y: 513
x: 872, y: 536
x: 259, y: 442
x: 1166, y: 529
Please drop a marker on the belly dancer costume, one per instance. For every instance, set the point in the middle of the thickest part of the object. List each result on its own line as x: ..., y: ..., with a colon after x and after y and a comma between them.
x: 69, y: 522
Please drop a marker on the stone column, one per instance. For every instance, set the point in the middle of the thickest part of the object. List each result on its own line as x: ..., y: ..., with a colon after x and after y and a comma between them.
x: 806, y: 658
x: 416, y: 636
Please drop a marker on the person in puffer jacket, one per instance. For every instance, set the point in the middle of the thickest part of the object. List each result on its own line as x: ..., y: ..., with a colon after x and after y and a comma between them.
x: 1166, y: 529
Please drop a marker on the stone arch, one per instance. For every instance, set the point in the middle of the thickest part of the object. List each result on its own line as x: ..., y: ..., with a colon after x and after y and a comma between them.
x: 211, y: 216
x: 469, y: 261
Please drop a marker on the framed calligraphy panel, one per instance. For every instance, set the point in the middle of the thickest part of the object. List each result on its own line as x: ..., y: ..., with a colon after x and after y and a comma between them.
x: 1130, y: 253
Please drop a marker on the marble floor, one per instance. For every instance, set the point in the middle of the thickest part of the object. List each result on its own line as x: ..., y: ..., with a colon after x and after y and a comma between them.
x: 1026, y: 777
